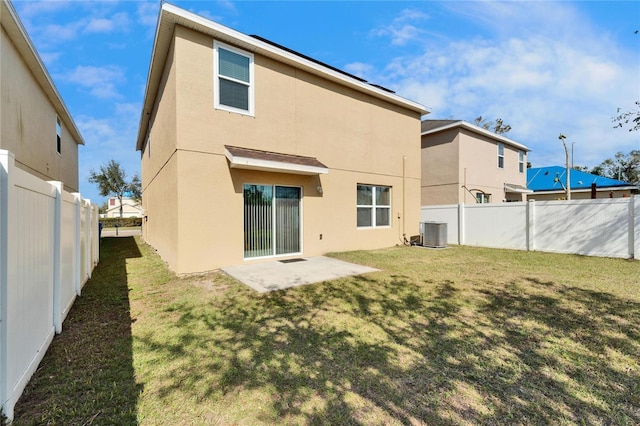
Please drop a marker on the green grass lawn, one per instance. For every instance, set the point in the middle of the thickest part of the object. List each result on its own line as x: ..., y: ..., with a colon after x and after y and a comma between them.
x: 453, y: 336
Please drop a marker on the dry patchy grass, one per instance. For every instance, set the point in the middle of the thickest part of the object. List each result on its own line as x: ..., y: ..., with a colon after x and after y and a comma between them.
x: 456, y: 336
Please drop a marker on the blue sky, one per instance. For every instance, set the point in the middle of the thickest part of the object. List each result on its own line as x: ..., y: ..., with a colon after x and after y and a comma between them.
x: 544, y: 67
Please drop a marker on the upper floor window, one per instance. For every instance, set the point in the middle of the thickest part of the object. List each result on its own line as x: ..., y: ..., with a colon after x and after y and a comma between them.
x: 501, y: 155
x: 233, y: 84
x: 521, y: 161
x: 58, y: 136
x: 374, y: 206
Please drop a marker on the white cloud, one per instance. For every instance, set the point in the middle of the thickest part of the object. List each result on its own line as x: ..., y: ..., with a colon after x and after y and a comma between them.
x: 148, y: 13
x: 117, y: 22
x: 401, y: 30
x: 50, y: 58
x: 101, y: 81
x: 54, y: 33
x: 541, y: 82
x: 33, y: 8
x: 360, y: 69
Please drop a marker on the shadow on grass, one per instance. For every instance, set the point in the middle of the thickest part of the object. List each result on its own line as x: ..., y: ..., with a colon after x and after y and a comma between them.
x: 87, y: 375
x: 377, y: 349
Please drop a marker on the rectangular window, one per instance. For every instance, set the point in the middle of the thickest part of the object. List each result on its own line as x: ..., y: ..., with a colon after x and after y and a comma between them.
x: 58, y: 136
x: 501, y: 156
x: 233, y: 82
x: 373, y: 206
x: 521, y: 161
x: 482, y: 197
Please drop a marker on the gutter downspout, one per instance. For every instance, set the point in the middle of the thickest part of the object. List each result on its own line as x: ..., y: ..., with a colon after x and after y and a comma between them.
x: 404, y: 196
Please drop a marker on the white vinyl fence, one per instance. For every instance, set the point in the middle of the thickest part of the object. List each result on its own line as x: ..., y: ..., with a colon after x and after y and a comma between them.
x: 604, y: 227
x: 49, y: 246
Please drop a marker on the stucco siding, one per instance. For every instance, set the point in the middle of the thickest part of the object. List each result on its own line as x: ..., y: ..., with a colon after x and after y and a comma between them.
x: 29, y: 123
x: 211, y: 211
x: 197, y: 224
x: 295, y: 113
x: 440, y: 161
x: 159, y: 170
x: 479, y: 167
x: 160, y: 226
x: 161, y: 144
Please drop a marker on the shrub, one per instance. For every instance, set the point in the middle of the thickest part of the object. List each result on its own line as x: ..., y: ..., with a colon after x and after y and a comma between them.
x: 112, y: 222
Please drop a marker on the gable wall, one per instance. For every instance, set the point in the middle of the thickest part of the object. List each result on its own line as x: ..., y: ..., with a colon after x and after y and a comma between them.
x: 440, y: 162
x: 29, y: 123
x: 361, y: 139
x: 479, y: 156
x: 159, y: 169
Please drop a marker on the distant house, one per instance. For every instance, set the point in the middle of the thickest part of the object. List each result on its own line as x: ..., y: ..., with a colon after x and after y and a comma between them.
x: 251, y: 151
x: 35, y: 124
x: 130, y: 208
x: 464, y: 163
x: 549, y: 183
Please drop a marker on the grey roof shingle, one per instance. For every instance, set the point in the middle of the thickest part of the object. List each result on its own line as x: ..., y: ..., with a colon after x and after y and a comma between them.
x: 274, y: 156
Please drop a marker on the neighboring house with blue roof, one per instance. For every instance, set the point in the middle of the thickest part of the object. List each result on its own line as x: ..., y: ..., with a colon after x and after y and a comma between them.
x: 549, y: 183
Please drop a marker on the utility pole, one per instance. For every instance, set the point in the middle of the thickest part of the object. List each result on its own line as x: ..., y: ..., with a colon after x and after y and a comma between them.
x: 566, y: 154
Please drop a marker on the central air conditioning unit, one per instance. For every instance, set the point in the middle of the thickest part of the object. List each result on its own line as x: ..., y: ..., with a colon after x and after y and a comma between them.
x: 434, y: 234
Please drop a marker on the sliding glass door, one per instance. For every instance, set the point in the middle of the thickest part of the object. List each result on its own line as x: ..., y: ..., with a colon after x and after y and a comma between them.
x: 272, y: 221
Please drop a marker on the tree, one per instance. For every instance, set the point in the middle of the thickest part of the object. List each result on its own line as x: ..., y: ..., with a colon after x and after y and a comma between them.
x: 497, y: 126
x: 631, y: 118
x: 112, y: 180
x: 624, y: 167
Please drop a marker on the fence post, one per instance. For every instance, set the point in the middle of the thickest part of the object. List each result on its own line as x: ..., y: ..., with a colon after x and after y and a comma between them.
x: 634, y: 227
x: 78, y: 245
x: 7, y: 271
x: 461, y: 229
x: 95, y: 224
x: 531, y: 225
x: 57, y: 261
x: 88, y: 246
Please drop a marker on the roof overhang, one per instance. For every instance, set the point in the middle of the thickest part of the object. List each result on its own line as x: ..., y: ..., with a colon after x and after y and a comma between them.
x: 252, y: 159
x: 479, y: 130
x: 509, y: 187
x: 171, y: 15
x: 19, y: 37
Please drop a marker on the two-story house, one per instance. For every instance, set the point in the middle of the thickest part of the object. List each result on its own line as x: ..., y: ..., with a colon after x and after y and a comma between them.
x: 130, y: 208
x: 253, y: 151
x: 35, y: 124
x: 464, y: 163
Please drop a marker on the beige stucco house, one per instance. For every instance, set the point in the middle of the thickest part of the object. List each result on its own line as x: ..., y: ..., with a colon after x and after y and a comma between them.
x: 251, y: 151
x: 35, y: 124
x: 464, y: 163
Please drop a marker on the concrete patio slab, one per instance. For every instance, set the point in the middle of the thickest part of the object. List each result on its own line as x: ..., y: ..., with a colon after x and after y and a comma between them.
x: 278, y: 275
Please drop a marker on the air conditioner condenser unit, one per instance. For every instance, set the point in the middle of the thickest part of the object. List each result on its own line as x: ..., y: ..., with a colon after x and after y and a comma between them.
x: 434, y: 234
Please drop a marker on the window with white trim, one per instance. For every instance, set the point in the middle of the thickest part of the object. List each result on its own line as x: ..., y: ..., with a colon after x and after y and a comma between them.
x: 233, y: 80
x: 373, y: 206
x: 501, y: 156
x: 521, y: 161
